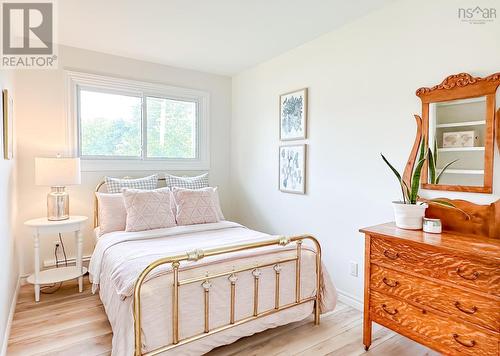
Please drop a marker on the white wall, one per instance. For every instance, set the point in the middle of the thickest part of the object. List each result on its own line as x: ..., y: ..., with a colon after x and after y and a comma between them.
x: 362, y: 80
x: 9, y: 264
x: 41, y: 123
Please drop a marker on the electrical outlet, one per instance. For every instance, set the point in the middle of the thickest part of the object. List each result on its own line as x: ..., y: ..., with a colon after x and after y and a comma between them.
x: 353, y: 268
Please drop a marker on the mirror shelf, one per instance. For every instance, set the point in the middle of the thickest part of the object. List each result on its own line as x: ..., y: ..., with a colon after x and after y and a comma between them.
x: 459, y: 149
x: 460, y: 124
x: 465, y: 171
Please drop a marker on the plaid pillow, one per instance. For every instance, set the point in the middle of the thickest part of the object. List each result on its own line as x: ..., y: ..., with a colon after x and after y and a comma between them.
x: 115, y: 185
x: 198, y: 182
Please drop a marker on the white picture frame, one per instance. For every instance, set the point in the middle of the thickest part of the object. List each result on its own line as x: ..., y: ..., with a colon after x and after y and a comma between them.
x: 292, y: 168
x: 293, y: 115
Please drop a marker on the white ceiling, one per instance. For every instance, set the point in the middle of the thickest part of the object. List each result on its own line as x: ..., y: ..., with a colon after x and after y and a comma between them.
x: 217, y: 36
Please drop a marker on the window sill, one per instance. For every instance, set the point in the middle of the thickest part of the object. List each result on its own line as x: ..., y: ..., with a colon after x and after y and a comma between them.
x: 100, y: 165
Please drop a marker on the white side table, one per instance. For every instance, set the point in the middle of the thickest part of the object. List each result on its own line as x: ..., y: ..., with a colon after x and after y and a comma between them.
x: 42, y: 226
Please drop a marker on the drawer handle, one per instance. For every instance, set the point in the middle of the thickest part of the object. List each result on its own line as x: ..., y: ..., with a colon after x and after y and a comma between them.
x: 471, y: 343
x: 466, y: 311
x: 391, y: 255
x: 390, y: 312
x: 389, y: 283
x: 472, y: 277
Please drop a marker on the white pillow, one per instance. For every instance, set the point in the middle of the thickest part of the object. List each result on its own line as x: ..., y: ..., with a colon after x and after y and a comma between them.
x: 115, y: 185
x: 195, y: 206
x: 197, y: 182
x: 112, y: 213
x: 148, y: 209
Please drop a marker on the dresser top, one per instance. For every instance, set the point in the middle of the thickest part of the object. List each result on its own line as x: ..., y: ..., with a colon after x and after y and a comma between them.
x: 484, y: 247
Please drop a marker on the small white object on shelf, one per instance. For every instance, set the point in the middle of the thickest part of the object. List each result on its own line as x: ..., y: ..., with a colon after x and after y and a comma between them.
x: 44, y: 227
x: 459, y: 139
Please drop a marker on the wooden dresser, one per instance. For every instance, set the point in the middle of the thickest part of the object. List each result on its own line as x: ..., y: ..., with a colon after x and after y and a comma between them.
x: 441, y: 290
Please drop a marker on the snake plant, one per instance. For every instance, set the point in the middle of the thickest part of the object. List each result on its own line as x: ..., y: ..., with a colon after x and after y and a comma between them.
x: 410, y: 194
x: 433, y: 158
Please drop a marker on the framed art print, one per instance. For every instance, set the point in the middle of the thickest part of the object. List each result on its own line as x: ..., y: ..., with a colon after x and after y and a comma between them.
x: 292, y: 169
x: 8, y: 131
x: 293, y: 115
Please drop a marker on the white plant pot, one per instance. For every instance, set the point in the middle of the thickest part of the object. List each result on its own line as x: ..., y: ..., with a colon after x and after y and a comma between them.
x: 409, y: 216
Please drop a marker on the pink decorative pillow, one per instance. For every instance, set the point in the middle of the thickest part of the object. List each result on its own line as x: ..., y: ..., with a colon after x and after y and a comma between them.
x: 148, y: 209
x: 112, y: 213
x: 195, y: 206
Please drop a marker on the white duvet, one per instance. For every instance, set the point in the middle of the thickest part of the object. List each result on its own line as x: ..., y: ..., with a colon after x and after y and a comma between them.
x: 154, y: 244
x: 120, y: 257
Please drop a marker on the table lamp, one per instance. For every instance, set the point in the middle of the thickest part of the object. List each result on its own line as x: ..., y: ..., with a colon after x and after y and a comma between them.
x: 57, y: 173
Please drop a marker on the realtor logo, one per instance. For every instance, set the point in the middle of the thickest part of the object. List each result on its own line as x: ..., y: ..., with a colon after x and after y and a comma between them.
x: 477, y: 15
x: 28, y: 35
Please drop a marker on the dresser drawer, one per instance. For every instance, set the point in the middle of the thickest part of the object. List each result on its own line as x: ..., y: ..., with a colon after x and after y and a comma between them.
x: 480, y: 275
x: 442, y: 334
x: 465, y: 305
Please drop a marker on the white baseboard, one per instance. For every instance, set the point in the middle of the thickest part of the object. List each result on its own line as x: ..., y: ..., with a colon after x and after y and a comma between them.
x: 350, y: 300
x: 71, y: 261
x: 11, y: 317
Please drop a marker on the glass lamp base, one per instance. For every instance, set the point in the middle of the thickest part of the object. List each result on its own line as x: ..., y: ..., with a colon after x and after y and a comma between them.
x: 57, y: 204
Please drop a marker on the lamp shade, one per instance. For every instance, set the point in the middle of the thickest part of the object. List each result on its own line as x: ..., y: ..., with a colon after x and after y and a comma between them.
x: 57, y: 172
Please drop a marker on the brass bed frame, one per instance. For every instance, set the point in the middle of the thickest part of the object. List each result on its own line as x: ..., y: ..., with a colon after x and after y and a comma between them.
x: 232, y: 276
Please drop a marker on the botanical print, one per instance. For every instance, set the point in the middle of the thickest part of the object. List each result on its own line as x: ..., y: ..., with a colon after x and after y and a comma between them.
x: 293, y: 112
x: 292, y: 169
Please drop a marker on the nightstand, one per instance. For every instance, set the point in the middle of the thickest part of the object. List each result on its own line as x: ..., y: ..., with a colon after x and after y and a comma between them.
x: 43, y: 226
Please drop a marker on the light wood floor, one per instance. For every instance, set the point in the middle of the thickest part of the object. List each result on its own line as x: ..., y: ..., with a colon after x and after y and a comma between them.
x: 72, y: 323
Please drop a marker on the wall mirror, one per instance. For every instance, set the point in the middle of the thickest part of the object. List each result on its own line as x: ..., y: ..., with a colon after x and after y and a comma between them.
x: 458, y: 120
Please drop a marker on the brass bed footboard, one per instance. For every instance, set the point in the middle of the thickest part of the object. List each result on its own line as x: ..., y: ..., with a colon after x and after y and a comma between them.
x: 196, y: 255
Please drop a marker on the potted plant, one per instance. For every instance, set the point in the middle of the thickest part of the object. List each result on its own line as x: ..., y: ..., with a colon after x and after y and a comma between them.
x: 409, y: 212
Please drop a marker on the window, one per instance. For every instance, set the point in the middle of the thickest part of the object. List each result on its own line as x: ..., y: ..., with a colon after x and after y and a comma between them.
x: 171, y: 128
x: 110, y: 124
x: 155, y: 126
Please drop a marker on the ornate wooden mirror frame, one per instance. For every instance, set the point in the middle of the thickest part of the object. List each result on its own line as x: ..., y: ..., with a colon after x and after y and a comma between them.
x: 457, y: 87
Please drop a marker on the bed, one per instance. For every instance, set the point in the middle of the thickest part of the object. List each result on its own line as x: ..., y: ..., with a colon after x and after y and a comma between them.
x: 188, y: 289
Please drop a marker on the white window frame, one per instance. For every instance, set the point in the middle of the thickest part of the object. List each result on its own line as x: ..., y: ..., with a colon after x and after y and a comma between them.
x: 76, y: 81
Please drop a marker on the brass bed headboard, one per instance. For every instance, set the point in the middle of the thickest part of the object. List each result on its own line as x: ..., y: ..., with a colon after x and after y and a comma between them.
x: 96, y: 201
